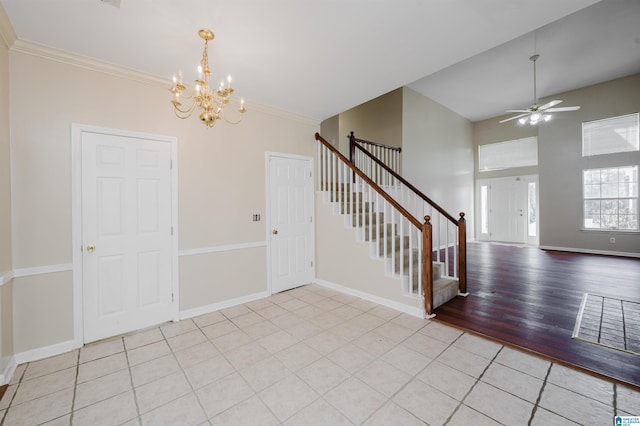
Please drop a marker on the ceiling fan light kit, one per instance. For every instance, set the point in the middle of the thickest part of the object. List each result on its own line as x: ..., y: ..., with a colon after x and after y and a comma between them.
x: 536, y: 114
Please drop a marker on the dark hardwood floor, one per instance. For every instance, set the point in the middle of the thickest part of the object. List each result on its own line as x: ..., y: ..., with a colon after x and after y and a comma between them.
x: 529, y: 298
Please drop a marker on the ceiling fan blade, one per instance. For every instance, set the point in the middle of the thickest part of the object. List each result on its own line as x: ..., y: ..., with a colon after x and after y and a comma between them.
x: 514, y: 117
x: 571, y: 108
x: 549, y: 104
x: 518, y: 110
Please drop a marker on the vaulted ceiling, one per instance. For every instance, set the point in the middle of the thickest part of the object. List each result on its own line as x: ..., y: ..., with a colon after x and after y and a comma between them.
x: 319, y: 58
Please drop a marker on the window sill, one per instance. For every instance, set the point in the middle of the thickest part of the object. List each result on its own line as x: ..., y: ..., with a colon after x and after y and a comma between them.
x: 612, y: 231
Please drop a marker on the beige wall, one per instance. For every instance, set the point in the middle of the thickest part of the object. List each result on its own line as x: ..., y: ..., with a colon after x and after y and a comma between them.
x: 378, y: 120
x: 330, y: 130
x: 221, y: 183
x: 342, y: 260
x: 437, y: 154
x: 6, y: 341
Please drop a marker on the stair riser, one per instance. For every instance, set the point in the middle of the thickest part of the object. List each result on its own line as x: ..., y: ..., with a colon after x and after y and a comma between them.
x: 367, y: 218
x: 379, y: 231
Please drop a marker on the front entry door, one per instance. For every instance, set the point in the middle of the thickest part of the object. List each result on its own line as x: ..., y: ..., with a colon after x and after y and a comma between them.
x: 291, y: 222
x: 126, y: 234
x: 508, y: 210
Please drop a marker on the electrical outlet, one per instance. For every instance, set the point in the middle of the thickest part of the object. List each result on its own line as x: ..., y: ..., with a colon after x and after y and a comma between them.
x: 612, y: 240
x: 256, y: 217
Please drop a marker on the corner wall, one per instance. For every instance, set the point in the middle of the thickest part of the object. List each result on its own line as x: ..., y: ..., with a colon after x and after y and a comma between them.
x: 221, y: 183
x: 378, y: 120
x: 437, y: 154
x: 6, y: 282
x: 561, y: 164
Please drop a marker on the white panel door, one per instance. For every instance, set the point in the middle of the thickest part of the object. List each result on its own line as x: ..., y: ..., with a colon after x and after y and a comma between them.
x: 508, y: 210
x: 126, y: 233
x: 291, y: 222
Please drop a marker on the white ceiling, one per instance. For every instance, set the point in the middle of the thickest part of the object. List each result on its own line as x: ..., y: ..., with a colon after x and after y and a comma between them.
x: 318, y: 58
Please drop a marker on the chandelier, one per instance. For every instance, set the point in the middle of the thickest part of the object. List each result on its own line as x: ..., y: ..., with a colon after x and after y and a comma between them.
x: 210, y: 101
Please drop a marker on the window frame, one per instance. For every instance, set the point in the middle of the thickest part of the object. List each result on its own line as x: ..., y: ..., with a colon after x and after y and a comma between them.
x: 635, y: 117
x: 512, y: 142
x: 618, y: 198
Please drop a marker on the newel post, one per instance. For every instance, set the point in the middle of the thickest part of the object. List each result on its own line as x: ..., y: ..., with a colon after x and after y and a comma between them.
x: 462, y: 253
x: 352, y: 147
x: 427, y: 266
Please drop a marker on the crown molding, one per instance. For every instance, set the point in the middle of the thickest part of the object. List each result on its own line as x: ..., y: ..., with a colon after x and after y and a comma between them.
x: 281, y: 113
x: 7, y: 33
x: 63, y: 56
x: 66, y: 57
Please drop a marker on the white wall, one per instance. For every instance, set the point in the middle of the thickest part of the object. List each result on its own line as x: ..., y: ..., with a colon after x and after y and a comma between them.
x: 221, y: 183
x: 437, y: 154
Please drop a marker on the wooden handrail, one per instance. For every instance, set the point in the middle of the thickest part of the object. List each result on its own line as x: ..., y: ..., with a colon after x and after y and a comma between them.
x: 353, y: 139
x: 408, y: 185
x: 371, y: 183
x: 460, y: 223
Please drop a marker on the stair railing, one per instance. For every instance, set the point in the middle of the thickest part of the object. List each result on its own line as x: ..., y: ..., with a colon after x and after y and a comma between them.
x: 449, y: 234
x: 389, y: 155
x: 379, y: 218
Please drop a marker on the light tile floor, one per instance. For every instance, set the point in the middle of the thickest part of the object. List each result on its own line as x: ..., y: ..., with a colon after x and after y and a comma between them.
x: 309, y: 356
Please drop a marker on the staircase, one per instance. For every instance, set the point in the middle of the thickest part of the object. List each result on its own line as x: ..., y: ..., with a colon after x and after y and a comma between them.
x: 386, y: 244
x: 374, y: 200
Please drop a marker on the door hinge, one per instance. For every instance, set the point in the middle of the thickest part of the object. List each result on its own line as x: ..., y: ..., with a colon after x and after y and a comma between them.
x: 170, y: 164
x: 311, y: 219
x: 172, y: 230
x: 172, y: 299
x: 312, y: 263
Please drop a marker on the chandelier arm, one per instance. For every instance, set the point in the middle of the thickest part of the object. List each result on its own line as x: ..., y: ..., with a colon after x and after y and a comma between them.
x: 187, y: 112
x: 234, y: 122
x: 210, y: 101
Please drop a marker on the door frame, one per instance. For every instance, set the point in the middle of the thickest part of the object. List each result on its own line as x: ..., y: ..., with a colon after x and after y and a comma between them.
x: 268, y: 199
x: 526, y: 179
x: 76, y: 217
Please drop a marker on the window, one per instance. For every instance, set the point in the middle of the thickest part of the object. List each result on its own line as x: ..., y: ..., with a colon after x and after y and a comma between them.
x: 610, y: 198
x: 484, y: 209
x: 509, y: 154
x: 532, y: 203
x: 611, y: 135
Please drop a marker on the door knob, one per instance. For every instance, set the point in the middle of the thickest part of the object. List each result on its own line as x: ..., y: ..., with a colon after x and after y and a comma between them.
x: 274, y: 232
x: 91, y: 248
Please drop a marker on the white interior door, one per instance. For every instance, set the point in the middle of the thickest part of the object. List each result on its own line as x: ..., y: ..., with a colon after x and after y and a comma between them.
x: 508, y: 210
x: 126, y: 234
x: 291, y: 222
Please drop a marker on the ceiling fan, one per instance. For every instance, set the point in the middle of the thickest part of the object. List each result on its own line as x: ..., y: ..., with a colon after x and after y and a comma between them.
x: 537, y: 113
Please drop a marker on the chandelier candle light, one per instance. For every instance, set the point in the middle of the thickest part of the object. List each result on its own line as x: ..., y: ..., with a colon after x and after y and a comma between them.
x: 210, y: 101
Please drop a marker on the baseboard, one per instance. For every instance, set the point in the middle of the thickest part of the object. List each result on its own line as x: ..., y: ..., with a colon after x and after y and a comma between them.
x: 9, y: 369
x: 416, y: 312
x: 202, y: 310
x: 45, y: 352
x: 589, y: 251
